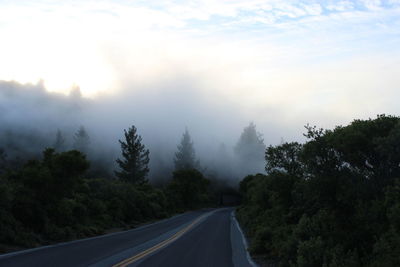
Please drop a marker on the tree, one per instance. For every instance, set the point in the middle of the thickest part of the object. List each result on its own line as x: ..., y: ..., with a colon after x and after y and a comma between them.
x: 251, y: 144
x: 135, y: 158
x: 185, y: 157
x: 59, y: 143
x: 81, y: 140
x: 250, y: 151
x: 284, y: 157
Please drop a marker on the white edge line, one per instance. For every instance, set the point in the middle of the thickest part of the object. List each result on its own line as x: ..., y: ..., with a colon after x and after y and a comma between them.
x: 249, y: 259
x: 85, y: 239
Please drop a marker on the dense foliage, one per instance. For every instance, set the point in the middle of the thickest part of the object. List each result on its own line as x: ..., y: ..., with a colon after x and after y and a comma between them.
x: 188, y: 189
x: 51, y: 200
x: 333, y: 201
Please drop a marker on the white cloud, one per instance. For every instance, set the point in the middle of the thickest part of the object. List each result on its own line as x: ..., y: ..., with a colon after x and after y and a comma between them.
x: 341, y: 6
x: 313, y: 9
x: 372, y: 4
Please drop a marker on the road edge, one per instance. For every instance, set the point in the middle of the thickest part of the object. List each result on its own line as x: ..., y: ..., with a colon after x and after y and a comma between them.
x: 15, y: 253
x: 244, y: 240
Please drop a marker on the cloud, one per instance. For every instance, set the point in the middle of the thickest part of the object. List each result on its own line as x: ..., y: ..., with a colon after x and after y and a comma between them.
x: 341, y: 6
x: 372, y: 4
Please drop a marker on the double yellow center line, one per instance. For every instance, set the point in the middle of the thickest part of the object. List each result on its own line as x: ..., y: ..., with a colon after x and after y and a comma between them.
x: 160, y: 245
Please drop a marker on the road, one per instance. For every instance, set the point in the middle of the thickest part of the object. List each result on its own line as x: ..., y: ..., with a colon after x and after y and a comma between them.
x: 198, y: 238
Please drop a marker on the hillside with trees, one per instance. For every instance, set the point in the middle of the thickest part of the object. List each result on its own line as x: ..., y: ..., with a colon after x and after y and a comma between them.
x: 332, y: 201
x: 53, y: 198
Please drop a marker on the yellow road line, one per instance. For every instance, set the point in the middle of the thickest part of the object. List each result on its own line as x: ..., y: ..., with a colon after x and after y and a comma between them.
x: 160, y: 245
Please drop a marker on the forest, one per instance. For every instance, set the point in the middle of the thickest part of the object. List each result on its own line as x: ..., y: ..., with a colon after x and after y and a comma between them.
x: 61, y: 196
x: 51, y: 199
x: 230, y: 131
x: 331, y: 201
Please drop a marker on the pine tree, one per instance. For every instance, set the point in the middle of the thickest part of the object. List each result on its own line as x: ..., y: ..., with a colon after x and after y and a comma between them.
x: 251, y: 144
x: 249, y: 151
x: 135, y: 158
x: 59, y: 143
x: 185, y: 157
x: 81, y: 140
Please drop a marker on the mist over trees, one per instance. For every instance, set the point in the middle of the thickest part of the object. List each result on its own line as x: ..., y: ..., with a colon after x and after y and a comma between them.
x: 33, y: 119
x: 59, y: 143
x: 57, y: 181
x: 81, y: 140
x: 185, y: 157
x: 54, y: 199
x: 249, y: 150
x: 333, y: 200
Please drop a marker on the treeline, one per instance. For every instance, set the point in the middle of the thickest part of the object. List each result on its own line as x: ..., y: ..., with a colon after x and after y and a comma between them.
x: 21, y: 144
x: 333, y: 201
x: 223, y: 162
x: 51, y: 199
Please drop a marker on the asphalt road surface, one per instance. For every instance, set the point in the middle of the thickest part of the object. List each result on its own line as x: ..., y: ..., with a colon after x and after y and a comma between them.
x: 198, y: 238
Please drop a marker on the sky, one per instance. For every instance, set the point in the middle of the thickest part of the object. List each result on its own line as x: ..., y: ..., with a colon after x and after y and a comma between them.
x: 224, y: 63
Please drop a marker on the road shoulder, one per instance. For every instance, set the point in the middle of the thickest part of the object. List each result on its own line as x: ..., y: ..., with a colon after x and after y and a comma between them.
x: 240, y: 254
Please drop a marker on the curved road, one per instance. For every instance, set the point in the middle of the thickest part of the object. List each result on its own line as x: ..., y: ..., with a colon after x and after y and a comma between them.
x: 198, y: 238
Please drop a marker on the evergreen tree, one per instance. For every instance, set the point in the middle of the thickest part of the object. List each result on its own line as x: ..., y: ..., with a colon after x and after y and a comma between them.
x: 135, y: 158
x: 185, y: 157
x: 249, y: 151
x: 81, y: 140
x: 59, y: 143
x: 251, y: 144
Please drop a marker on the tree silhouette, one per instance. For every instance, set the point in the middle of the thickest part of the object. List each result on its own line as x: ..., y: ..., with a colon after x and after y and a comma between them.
x: 185, y: 157
x: 135, y: 158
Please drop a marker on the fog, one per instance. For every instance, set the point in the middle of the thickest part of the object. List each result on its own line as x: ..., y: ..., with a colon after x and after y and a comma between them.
x: 147, y: 65
x: 30, y: 117
x: 161, y: 105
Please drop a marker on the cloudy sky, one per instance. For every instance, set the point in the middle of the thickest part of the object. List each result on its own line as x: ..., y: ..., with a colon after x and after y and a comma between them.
x: 278, y: 63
